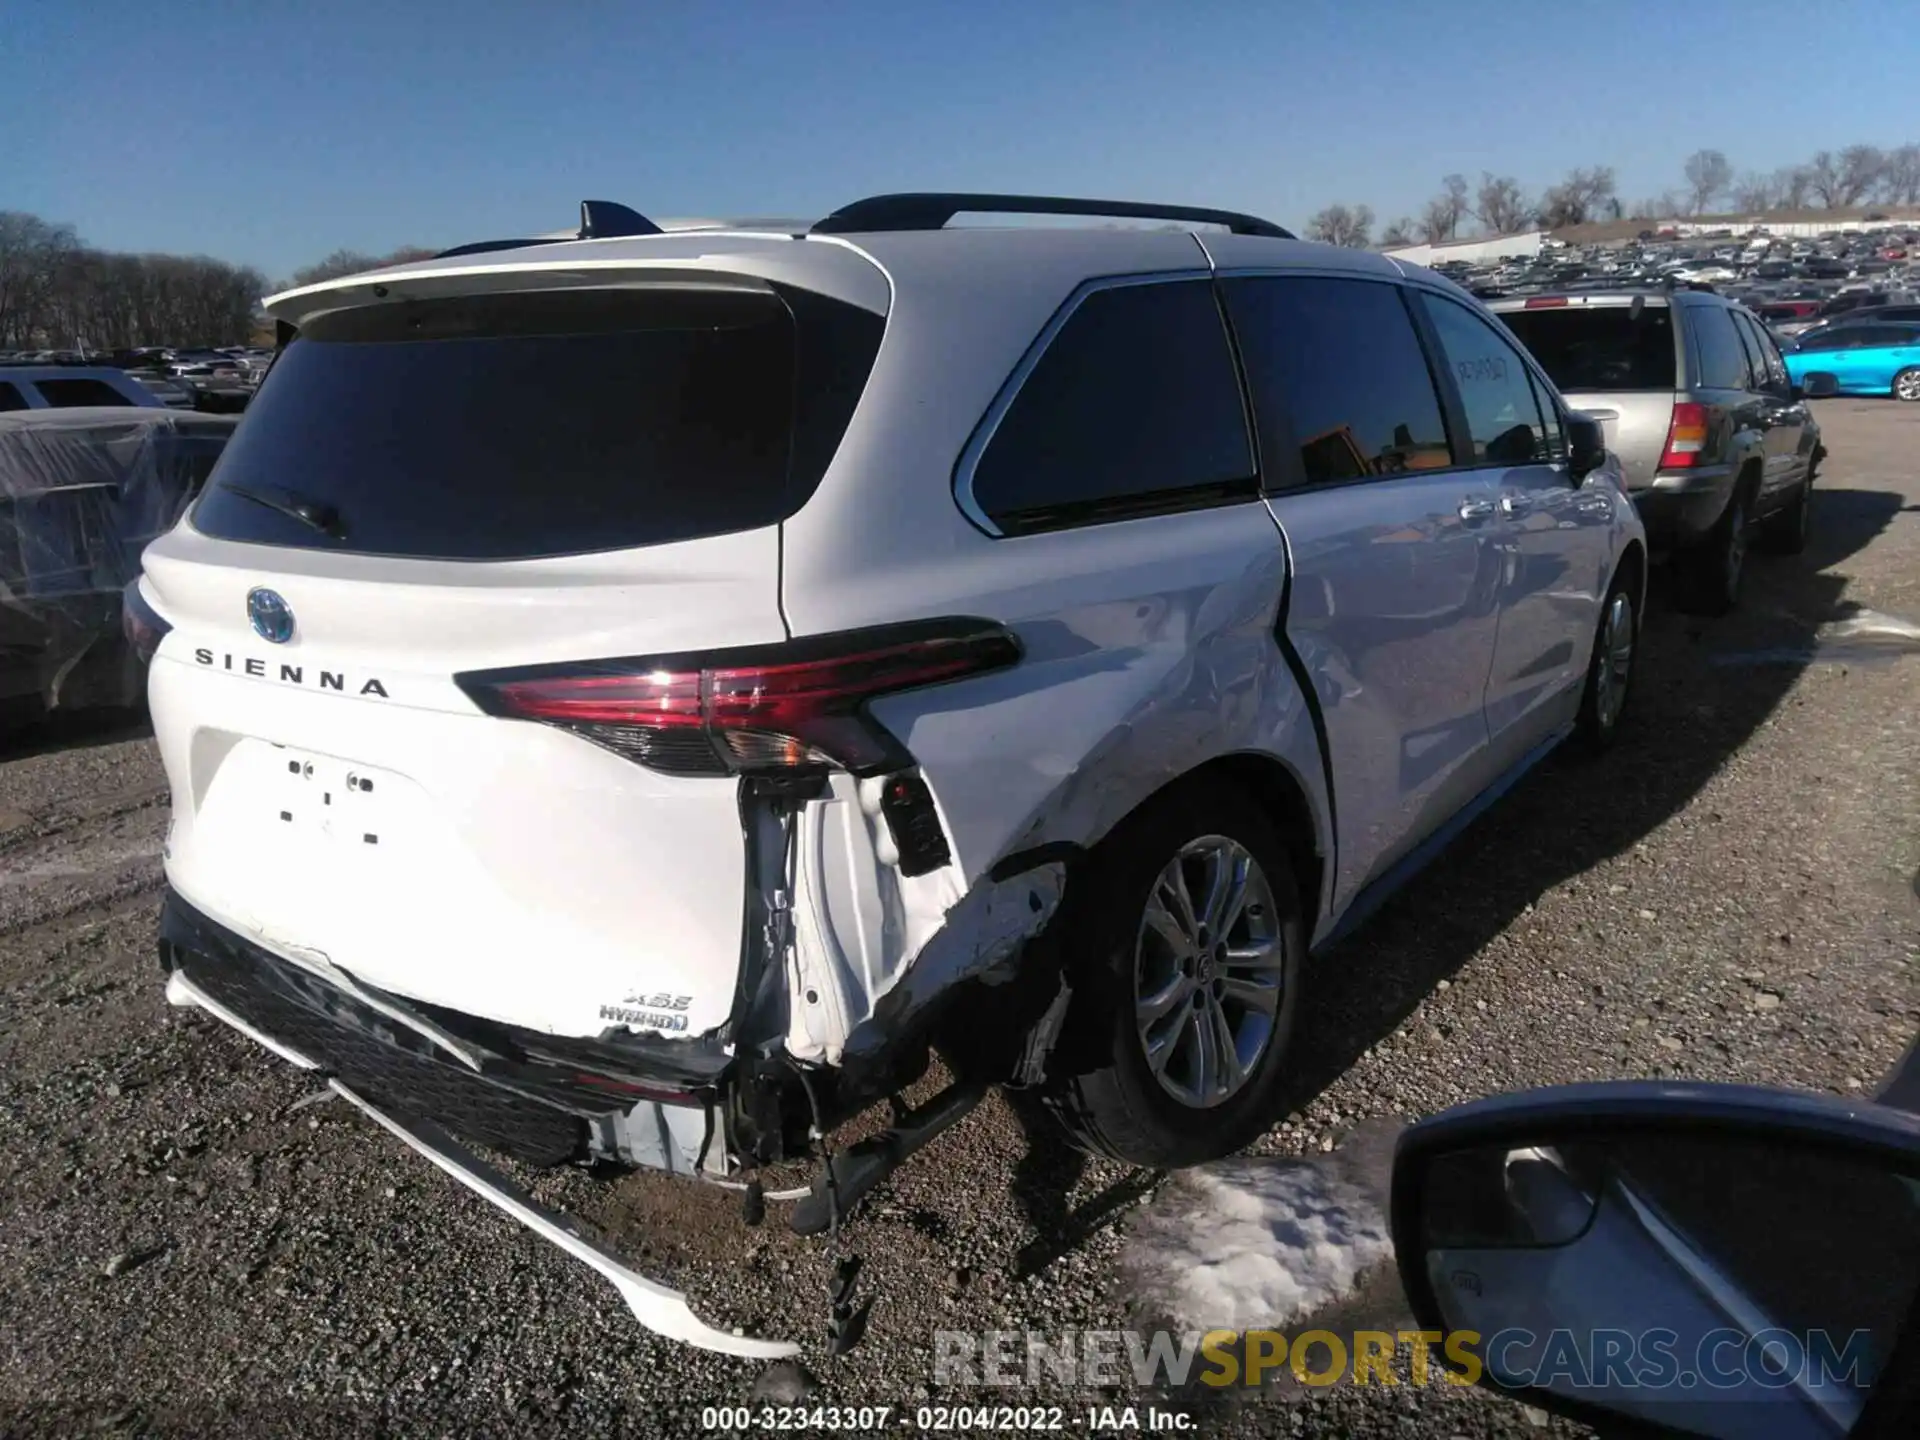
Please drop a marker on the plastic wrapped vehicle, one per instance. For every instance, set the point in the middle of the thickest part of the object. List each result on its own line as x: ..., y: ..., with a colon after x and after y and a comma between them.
x: 82, y: 491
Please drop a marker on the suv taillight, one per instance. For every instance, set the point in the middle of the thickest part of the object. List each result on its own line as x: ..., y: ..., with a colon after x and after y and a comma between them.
x: 775, y: 709
x: 1686, y: 437
x: 141, y: 623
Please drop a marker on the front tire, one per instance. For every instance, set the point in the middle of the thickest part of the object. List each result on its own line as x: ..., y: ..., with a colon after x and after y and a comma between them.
x: 1906, y: 385
x: 1184, y: 955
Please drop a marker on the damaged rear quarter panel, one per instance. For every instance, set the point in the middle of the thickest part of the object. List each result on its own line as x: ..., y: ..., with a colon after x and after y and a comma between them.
x: 1149, y: 650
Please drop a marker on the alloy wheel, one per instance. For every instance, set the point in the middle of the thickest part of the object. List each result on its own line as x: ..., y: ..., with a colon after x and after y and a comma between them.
x: 1209, y: 971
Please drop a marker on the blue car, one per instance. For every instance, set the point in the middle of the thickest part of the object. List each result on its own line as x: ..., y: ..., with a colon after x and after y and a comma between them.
x: 1866, y: 359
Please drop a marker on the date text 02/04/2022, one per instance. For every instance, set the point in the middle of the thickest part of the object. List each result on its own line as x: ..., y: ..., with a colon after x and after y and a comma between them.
x: 941, y: 1419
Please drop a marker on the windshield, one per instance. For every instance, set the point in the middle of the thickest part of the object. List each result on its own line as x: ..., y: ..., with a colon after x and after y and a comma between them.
x: 1600, y: 347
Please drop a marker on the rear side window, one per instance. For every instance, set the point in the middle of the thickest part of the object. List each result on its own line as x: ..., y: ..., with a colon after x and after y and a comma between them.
x: 544, y: 423
x: 80, y: 390
x: 1767, y: 355
x: 1504, y: 422
x: 12, y: 399
x: 1336, y: 369
x: 1599, y: 347
x: 1133, y: 409
x: 1723, y: 363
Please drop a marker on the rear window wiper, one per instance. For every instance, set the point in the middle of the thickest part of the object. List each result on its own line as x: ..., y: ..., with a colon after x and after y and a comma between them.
x: 315, y: 514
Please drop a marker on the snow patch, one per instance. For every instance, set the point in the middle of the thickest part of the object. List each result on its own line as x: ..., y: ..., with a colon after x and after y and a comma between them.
x: 1251, y: 1244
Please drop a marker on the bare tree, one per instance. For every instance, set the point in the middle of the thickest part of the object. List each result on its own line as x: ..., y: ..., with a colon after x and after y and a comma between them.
x: 1582, y: 196
x: 1400, y: 232
x: 32, y: 252
x: 57, y: 293
x: 1861, y: 170
x: 1708, y: 173
x: 1824, y: 180
x: 1791, y: 185
x: 352, y: 262
x: 1351, y: 226
x: 1754, y: 193
x: 1440, y: 221
x: 1501, y: 204
x: 1900, y: 179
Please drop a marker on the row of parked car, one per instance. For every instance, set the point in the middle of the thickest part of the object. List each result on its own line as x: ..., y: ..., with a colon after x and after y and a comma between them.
x: 1756, y: 264
x: 222, y: 385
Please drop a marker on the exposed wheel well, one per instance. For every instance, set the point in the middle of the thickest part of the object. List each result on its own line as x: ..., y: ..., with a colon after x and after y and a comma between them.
x: 1633, y: 570
x: 1279, y: 793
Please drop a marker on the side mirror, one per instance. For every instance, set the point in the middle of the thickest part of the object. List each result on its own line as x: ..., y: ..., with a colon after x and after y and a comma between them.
x: 1684, y: 1259
x: 1820, y: 384
x: 1586, y: 445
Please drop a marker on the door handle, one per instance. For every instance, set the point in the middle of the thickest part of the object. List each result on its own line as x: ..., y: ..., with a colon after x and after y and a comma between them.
x: 1474, y: 509
x: 1514, y: 504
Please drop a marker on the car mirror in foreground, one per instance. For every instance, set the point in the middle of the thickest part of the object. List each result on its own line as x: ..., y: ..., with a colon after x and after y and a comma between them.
x: 1586, y: 445
x: 1820, y: 384
x: 1675, y: 1259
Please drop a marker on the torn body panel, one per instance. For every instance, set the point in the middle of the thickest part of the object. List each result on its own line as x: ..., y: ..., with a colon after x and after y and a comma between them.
x: 865, y: 930
x: 1150, y: 650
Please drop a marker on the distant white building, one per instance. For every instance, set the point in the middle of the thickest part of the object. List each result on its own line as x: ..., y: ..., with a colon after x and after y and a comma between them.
x: 1494, y: 247
x: 1793, y: 229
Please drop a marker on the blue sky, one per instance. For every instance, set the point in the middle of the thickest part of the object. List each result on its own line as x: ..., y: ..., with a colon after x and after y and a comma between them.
x: 274, y: 131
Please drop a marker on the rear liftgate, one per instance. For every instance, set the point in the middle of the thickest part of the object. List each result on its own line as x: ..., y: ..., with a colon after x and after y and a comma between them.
x: 844, y: 954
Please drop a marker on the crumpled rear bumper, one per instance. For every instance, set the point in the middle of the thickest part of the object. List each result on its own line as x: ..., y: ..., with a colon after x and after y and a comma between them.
x: 662, y: 1310
x: 542, y: 1099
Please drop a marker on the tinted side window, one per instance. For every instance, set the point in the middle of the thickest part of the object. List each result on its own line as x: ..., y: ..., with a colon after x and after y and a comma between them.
x: 1554, y: 436
x: 1134, y: 407
x: 81, y: 391
x: 1756, y: 367
x: 1336, y: 368
x: 1766, y: 356
x: 1504, y: 424
x: 1723, y: 364
x: 11, y: 398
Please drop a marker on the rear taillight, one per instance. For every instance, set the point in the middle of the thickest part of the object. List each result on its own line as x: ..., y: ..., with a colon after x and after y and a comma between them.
x: 773, y: 709
x: 141, y: 623
x: 1686, y: 437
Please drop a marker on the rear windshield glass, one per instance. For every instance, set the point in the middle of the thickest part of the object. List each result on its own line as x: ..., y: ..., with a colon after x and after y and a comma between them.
x: 543, y: 423
x: 1600, y: 347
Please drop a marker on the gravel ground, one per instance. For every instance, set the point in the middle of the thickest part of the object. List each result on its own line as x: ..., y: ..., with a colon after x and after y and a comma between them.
x: 188, y: 1248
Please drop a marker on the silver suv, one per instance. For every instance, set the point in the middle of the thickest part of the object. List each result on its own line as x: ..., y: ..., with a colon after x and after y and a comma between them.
x: 631, y: 698
x: 1694, y: 397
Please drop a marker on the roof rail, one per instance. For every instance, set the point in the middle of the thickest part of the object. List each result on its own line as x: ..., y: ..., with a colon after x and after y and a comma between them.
x: 934, y: 209
x: 599, y: 220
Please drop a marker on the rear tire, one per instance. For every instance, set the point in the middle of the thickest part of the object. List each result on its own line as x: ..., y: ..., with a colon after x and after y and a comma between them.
x: 1906, y: 385
x: 1161, y: 988
x: 1603, y: 703
x: 1710, y: 573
